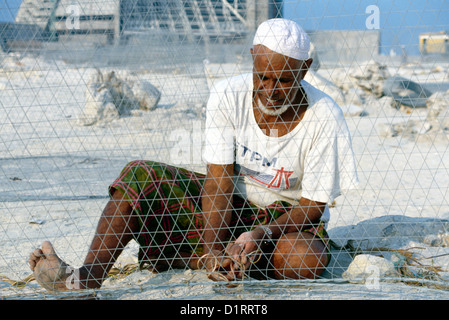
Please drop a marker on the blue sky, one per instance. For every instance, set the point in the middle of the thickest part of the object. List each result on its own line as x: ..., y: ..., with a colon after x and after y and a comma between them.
x: 400, y: 21
x: 8, y: 9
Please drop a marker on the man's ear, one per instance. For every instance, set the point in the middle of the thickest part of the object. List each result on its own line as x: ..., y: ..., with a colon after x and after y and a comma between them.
x: 253, y: 56
x: 308, y: 63
x: 305, y: 67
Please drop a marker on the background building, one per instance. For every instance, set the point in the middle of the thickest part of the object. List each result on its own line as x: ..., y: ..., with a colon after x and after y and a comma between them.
x: 434, y: 42
x: 114, y: 20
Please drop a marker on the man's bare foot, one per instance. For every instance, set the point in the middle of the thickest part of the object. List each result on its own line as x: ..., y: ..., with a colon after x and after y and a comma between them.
x: 49, y: 271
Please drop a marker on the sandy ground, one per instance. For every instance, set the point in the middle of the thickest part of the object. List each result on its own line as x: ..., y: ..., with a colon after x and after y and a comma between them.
x: 55, y: 173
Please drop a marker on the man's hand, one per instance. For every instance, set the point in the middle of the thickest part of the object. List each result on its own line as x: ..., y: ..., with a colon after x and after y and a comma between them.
x: 218, y: 265
x: 231, y: 263
x: 242, y: 252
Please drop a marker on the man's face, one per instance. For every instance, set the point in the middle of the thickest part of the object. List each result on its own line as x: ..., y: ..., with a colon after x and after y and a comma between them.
x: 276, y: 77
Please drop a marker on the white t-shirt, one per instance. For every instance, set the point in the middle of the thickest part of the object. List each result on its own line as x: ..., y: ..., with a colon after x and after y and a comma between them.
x: 315, y: 160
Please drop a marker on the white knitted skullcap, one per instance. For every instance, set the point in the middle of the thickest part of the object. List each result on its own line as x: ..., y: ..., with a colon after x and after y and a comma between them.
x: 285, y: 37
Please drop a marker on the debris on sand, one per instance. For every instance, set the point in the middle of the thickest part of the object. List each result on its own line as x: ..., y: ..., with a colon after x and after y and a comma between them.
x: 110, y: 96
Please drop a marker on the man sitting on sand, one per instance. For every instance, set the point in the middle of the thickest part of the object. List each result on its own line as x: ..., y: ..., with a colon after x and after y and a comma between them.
x: 277, y: 150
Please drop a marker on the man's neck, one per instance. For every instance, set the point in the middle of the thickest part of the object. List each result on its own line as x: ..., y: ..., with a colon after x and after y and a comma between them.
x: 278, y: 126
x: 282, y: 124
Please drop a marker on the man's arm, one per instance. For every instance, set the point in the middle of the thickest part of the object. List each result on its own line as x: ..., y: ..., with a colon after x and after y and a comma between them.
x: 302, y: 216
x: 216, y: 206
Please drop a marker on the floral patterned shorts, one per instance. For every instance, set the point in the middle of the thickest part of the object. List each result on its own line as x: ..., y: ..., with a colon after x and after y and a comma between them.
x: 167, y: 201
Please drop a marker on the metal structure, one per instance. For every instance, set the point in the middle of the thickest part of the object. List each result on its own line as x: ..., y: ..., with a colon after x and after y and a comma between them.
x: 190, y: 19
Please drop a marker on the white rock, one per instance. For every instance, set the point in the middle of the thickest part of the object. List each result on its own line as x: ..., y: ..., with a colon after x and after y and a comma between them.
x: 370, y: 77
x: 355, y: 96
x: 351, y: 110
x: 438, y: 108
x: 326, y: 86
x: 366, y: 267
x: 99, y: 106
x: 146, y: 94
x: 383, y: 107
x: 110, y: 95
x: 437, y: 240
x: 386, y: 130
x: 393, y: 231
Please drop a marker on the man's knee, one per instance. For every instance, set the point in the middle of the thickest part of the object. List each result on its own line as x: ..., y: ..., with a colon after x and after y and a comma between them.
x: 299, y: 255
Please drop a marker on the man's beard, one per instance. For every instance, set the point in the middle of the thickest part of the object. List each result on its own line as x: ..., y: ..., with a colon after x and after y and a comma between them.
x: 277, y: 111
